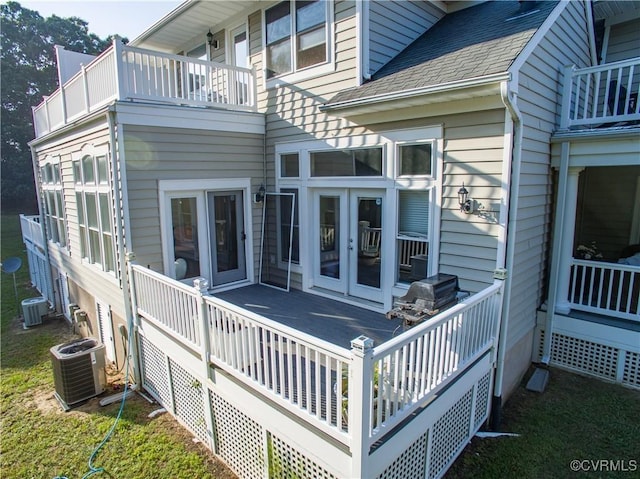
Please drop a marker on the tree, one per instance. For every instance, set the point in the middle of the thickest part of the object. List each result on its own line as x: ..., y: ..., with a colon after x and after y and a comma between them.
x: 28, y: 72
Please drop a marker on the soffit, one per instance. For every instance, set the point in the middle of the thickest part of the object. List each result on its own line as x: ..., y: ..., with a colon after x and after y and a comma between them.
x: 188, y: 19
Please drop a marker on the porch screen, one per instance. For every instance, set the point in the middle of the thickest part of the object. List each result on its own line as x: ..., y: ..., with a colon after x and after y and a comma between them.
x: 274, y: 236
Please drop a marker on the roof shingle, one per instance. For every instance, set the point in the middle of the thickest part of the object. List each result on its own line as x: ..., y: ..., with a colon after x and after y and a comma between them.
x: 471, y: 43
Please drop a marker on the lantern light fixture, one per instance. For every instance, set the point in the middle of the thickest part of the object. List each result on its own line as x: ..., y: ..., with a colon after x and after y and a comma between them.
x: 463, y: 199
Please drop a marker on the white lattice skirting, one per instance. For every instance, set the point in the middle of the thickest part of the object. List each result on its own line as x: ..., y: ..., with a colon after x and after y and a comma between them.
x: 257, y: 439
x: 594, y: 349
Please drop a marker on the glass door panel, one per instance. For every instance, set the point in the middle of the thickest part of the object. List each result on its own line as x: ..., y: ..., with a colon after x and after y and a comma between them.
x: 226, y: 225
x: 330, y: 240
x: 184, y: 225
x: 366, y: 257
x: 330, y: 236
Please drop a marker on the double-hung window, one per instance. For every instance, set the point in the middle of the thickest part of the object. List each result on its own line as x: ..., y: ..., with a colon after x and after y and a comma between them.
x: 53, y: 205
x: 414, y: 164
x: 93, y: 200
x: 296, y: 36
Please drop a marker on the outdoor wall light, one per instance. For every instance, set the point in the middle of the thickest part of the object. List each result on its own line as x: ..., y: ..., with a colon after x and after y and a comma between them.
x: 463, y: 199
x: 212, y: 43
x: 259, y: 196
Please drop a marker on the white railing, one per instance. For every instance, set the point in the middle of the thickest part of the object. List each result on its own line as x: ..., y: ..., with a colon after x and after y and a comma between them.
x: 127, y: 73
x: 409, y: 247
x: 410, y: 369
x: 341, y: 392
x: 151, y: 75
x: 306, y: 374
x: 32, y: 230
x: 605, y: 288
x: 168, y: 303
x: 602, y: 94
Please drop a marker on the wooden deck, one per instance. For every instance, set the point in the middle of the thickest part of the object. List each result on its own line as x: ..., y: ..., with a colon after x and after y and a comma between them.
x: 324, y: 318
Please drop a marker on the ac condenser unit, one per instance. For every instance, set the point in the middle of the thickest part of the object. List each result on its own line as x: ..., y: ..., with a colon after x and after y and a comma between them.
x: 78, y: 370
x: 33, y: 309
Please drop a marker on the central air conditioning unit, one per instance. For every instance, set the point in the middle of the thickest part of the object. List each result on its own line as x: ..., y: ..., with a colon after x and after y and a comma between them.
x: 33, y: 309
x: 78, y: 370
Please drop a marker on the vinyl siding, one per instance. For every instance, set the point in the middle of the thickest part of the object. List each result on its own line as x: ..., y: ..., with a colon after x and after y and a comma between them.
x: 393, y: 25
x: 473, y: 152
x: 623, y: 41
x: 155, y: 153
x: 539, y: 102
x: 82, y: 275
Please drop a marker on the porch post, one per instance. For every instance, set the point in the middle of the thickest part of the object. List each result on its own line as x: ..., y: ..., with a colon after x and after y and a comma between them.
x: 565, y: 252
x: 201, y: 286
x: 360, y: 406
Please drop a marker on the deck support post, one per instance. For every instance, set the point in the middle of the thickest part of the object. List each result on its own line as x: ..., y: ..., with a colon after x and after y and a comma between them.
x: 201, y: 286
x: 360, y: 403
x: 133, y: 321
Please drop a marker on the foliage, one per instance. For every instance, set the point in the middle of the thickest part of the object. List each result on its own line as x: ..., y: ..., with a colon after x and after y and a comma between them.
x: 588, y: 252
x: 29, y: 72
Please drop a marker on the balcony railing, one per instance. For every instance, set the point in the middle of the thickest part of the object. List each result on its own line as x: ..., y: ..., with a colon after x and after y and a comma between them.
x: 605, y: 288
x: 128, y: 73
x: 601, y: 95
x: 32, y: 231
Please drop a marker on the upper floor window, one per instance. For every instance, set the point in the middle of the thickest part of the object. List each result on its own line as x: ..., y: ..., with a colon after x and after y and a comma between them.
x: 296, y: 36
x: 414, y: 160
x: 93, y: 199
x: 53, y: 205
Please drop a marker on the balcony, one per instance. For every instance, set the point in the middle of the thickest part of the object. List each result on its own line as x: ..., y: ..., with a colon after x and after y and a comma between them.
x: 133, y: 74
x: 32, y: 232
x: 601, y: 96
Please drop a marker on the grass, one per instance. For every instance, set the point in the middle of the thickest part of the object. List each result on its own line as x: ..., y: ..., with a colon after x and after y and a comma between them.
x: 576, y: 418
x: 41, y: 441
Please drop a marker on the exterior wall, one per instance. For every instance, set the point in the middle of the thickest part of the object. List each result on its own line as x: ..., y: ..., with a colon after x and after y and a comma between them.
x: 158, y: 153
x: 623, y: 41
x: 538, y: 100
x: 86, y: 276
x: 393, y: 25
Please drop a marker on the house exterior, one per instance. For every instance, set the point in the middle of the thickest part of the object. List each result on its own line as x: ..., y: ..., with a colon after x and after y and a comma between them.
x: 320, y: 148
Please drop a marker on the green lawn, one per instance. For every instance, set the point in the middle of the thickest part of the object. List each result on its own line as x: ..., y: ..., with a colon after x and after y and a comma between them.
x: 41, y: 441
x: 575, y: 419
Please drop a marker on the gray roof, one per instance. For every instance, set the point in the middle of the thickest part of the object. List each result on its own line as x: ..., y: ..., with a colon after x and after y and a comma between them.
x: 471, y: 43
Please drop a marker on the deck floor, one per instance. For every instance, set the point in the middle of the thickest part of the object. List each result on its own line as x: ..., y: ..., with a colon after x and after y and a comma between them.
x: 324, y: 318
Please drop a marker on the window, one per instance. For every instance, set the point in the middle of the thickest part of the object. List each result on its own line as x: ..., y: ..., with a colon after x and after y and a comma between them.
x: 296, y: 36
x: 361, y: 162
x: 414, y: 160
x: 53, y: 205
x: 413, y: 234
x: 93, y: 199
x: 289, y: 166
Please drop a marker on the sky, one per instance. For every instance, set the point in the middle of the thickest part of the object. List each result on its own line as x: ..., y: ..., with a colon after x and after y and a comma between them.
x: 107, y: 17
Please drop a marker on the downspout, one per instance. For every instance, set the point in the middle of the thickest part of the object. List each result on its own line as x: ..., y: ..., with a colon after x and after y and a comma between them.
x: 510, y: 102
x: 122, y: 225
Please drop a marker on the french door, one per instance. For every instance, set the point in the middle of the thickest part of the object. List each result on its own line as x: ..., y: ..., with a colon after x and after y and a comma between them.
x: 227, y: 236
x: 347, y: 242
x: 207, y: 236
